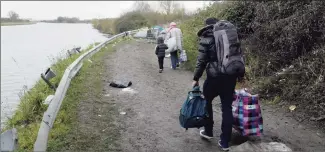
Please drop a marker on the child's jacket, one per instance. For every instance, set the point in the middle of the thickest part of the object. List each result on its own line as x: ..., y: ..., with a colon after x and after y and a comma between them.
x: 160, y: 49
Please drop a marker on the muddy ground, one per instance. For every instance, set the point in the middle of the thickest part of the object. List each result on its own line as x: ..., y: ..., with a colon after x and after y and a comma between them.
x: 152, y: 109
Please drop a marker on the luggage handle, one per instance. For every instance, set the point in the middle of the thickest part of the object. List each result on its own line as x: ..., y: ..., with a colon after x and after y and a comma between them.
x: 196, y: 91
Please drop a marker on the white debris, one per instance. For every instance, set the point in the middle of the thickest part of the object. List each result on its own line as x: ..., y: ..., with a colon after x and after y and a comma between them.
x: 48, y: 99
x: 99, y: 115
x: 90, y: 61
x: 261, y: 147
x: 122, y: 113
x: 292, y: 107
x: 107, y: 95
x: 129, y: 90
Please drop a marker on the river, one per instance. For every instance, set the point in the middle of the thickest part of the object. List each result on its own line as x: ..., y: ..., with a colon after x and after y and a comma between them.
x: 26, y: 52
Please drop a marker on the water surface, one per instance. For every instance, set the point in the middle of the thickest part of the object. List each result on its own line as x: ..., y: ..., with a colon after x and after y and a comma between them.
x: 27, y: 51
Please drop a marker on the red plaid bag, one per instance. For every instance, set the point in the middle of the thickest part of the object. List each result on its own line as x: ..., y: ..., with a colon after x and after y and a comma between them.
x: 247, y: 114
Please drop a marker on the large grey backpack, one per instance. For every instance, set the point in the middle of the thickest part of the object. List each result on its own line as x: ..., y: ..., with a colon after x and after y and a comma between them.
x: 229, y: 53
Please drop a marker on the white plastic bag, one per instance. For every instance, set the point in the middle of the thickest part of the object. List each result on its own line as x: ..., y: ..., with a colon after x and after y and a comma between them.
x: 183, y: 56
x: 171, y: 43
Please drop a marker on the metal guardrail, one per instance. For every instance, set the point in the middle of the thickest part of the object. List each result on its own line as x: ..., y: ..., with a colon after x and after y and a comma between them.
x: 54, y: 107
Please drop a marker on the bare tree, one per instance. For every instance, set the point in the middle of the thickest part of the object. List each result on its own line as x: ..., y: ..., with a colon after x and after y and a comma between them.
x: 167, y: 6
x: 13, y: 16
x: 142, y: 6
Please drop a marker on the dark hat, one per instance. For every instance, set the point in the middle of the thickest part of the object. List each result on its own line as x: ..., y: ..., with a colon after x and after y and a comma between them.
x: 211, y: 20
x: 160, y: 40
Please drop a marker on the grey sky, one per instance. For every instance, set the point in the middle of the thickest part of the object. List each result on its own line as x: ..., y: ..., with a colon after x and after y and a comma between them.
x: 39, y: 10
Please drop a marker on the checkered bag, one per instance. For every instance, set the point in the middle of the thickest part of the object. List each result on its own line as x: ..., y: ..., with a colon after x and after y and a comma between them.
x: 247, y: 114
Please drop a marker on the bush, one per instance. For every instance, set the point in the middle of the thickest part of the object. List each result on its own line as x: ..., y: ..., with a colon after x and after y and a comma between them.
x: 302, y: 83
x: 278, y: 32
x: 130, y: 21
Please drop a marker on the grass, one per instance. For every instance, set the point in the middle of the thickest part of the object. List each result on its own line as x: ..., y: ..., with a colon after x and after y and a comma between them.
x: 16, y: 23
x: 71, y: 133
x: 68, y: 115
x: 31, y: 108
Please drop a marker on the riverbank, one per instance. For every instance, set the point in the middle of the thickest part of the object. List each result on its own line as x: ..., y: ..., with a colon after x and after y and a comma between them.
x: 22, y: 64
x: 16, y: 23
x: 31, y: 108
x: 28, y: 115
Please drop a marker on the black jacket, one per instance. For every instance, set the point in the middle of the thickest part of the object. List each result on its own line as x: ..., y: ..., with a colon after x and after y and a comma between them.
x: 161, y: 48
x: 207, y: 57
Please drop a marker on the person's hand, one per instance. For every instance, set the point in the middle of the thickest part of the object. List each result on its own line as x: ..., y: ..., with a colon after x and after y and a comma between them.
x: 240, y: 79
x: 195, y: 83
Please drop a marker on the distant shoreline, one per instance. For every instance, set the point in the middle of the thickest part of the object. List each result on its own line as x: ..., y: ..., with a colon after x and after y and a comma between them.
x: 16, y: 23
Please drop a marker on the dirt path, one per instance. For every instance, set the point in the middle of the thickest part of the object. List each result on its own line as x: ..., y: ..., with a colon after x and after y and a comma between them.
x: 151, y: 119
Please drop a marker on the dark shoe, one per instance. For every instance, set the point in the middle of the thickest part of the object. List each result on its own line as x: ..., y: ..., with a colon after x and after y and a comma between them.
x: 203, y: 134
x: 160, y: 70
x: 223, y: 146
x: 177, y: 65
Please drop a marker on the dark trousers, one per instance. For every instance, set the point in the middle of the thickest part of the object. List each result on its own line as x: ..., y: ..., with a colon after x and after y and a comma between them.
x: 161, y: 62
x: 222, y: 86
x: 174, y: 59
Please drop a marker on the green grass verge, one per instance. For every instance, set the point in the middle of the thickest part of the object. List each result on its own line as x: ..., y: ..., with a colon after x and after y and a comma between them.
x: 68, y: 133
x: 31, y: 108
x: 87, y: 131
x: 66, y: 121
x: 30, y: 111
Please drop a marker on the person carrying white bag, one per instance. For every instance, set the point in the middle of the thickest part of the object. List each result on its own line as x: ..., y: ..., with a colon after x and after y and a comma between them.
x: 174, y: 41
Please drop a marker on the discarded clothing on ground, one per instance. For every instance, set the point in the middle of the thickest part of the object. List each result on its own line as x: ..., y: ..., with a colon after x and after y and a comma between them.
x: 116, y: 84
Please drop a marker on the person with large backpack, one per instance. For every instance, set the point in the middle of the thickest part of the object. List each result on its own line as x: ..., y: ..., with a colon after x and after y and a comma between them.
x: 222, y: 58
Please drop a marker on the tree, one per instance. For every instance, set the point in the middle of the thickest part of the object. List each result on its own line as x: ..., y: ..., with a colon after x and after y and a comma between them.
x: 130, y: 21
x: 142, y: 6
x: 13, y: 16
x: 60, y: 19
x: 172, y: 10
x: 178, y: 11
x: 166, y: 6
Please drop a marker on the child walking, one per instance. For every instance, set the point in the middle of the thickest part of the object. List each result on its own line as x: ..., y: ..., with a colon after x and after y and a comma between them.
x: 160, y: 52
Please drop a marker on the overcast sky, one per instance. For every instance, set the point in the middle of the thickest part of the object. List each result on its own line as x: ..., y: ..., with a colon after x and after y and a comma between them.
x: 39, y: 10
